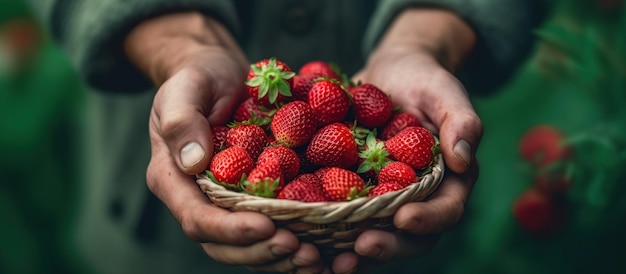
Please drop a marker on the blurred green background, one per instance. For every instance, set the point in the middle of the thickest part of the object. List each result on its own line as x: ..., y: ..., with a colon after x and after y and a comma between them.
x: 574, y: 81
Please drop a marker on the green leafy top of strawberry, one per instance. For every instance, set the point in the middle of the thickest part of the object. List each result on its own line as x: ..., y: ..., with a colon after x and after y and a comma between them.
x: 271, y: 79
x: 374, y: 154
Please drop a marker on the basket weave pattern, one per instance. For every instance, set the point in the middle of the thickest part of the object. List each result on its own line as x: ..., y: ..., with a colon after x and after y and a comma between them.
x: 330, y: 225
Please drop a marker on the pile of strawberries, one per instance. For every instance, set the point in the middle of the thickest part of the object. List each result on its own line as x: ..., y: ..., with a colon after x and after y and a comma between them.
x: 314, y: 136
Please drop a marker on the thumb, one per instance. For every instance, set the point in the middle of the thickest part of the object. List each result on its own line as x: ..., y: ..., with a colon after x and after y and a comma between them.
x: 460, y: 134
x: 181, y: 107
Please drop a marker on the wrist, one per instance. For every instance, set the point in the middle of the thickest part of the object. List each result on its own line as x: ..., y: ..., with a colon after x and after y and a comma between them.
x: 437, y: 33
x: 161, y: 46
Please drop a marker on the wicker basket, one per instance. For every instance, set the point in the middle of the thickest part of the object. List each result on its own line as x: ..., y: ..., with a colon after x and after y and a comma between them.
x: 331, y: 226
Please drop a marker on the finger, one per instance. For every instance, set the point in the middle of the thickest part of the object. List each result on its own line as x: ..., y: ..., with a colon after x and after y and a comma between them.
x: 182, y: 106
x: 305, y: 260
x: 460, y: 128
x: 200, y: 220
x: 278, y: 246
x: 346, y: 262
x: 443, y: 210
x: 383, y: 246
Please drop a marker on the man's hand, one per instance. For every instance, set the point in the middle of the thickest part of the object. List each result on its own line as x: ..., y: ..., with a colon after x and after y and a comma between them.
x: 414, y: 63
x: 200, y: 72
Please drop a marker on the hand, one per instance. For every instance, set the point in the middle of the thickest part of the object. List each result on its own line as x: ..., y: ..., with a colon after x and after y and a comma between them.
x: 414, y: 67
x: 201, y: 72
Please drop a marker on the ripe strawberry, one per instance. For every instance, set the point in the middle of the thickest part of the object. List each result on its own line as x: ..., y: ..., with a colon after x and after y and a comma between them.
x: 249, y: 109
x: 310, y: 178
x: 329, y: 101
x: 321, y: 172
x: 538, y: 212
x: 302, y: 190
x: 249, y: 136
x: 543, y: 145
x: 333, y: 145
x: 320, y: 67
x: 381, y: 189
x: 293, y: 124
x: 372, y: 107
x: 397, y: 173
x: 287, y: 158
x: 229, y: 165
x: 302, y: 84
x: 269, y: 81
x: 415, y: 146
x: 397, y: 123
x: 343, y: 185
x: 265, y: 180
x: 219, y: 138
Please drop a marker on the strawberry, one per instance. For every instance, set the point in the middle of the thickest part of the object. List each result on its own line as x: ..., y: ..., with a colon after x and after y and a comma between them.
x: 553, y: 181
x: 381, y: 189
x: 303, y: 190
x: 333, y: 145
x: 329, y: 101
x: 249, y: 136
x: 265, y: 180
x: 248, y: 110
x: 372, y: 107
x: 302, y: 84
x: 287, y: 158
x: 269, y: 81
x: 397, y: 173
x: 310, y: 178
x: 321, y: 172
x: 293, y: 124
x: 397, y: 123
x: 228, y: 166
x: 219, y: 138
x: 415, y: 146
x: 538, y: 212
x: 320, y: 68
x: 343, y: 185
x: 543, y: 145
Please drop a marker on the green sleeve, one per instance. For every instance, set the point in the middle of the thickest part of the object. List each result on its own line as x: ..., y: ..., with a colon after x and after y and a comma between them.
x: 91, y: 32
x: 504, y: 31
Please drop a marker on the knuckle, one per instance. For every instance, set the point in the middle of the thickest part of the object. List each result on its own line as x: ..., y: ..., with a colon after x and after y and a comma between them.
x: 190, y: 228
x: 173, y: 124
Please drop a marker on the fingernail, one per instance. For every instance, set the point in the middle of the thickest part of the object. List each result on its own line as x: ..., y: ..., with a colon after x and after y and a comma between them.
x: 373, y: 252
x: 191, y: 154
x: 463, y: 150
x: 280, y: 250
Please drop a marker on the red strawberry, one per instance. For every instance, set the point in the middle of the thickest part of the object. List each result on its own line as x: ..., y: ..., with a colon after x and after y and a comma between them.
x: 321, y: 172
x: 543, y: 145
x: 269, y: 81
x: 553, y: 182
x: 415, y: 146
x: 397, y: 173
x: 229, y: 165
x: 249, y: 109
x: 333, y: 145
x: 329, y: 101
x: 310, y: 178
x: 249, y: 136
x: 293, y: 124
x: 302, y: 190
x: 320, y: 67
x: 287, y: 158
x: 302, y: 84
x: 538, y: 212
x: 343, y: 185
x: 219, y: 138
x: 265, y: 180
x: 397, y: 123
x: 381, y: 189
x: 372, y: 107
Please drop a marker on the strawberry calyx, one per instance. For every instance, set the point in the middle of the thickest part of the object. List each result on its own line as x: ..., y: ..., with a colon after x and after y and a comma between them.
x: 266, y: 187
x: 233, y: 187
x: 271, y: 80
x: 374, y: 154
x: 360, y: 134
x: 255, y: 119
x: 355, y: 193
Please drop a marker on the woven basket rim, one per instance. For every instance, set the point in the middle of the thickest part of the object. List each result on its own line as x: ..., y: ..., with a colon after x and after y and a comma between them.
x: 325, y: 212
